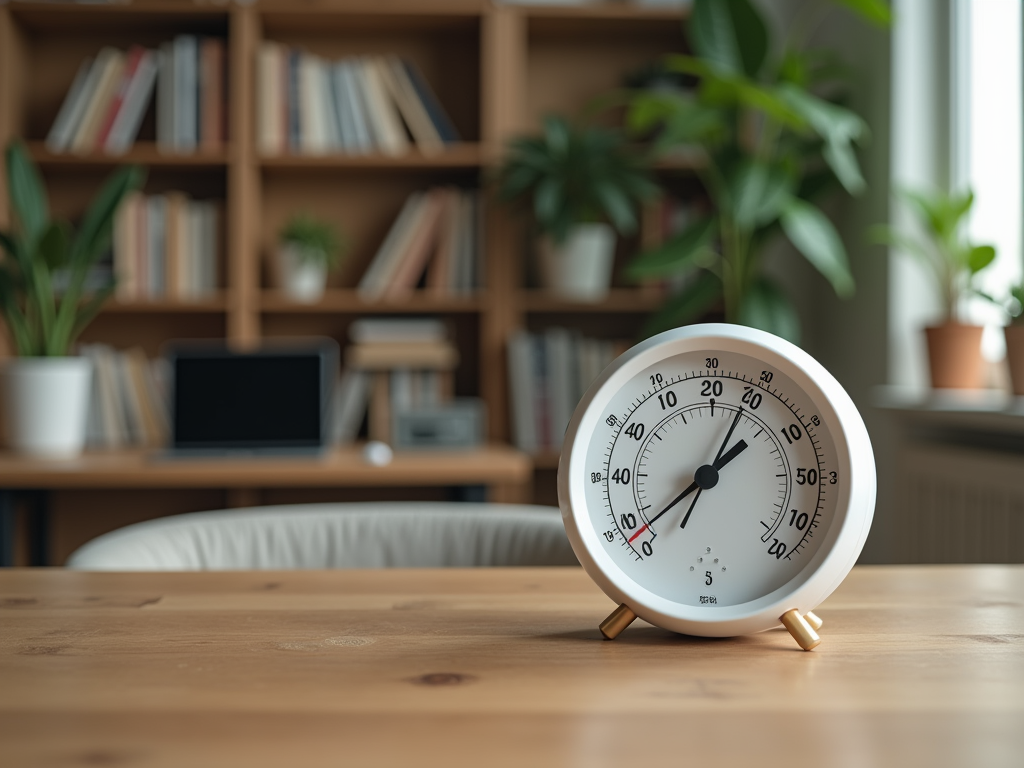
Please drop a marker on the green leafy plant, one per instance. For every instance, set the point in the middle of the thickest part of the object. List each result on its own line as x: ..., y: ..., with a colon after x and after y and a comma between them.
x: 942, y: 246
x: 42, y: 322
x: 314, y: 239
x: 768, y: 136
x: 575, y: 175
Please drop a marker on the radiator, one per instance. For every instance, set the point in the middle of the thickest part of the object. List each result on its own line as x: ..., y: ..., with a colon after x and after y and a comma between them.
x: 958, y: 505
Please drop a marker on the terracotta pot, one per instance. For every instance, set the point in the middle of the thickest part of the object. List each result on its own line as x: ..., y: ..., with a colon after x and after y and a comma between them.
x: 1015, y: 356
x: 954, y: 356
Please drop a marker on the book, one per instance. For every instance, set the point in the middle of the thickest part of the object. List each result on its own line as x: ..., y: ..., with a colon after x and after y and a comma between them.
x: 403, y: 330
x: 356, y: 100
x: 72, y: 108
x: 186, y: 93
x: 439, y: 275
x: 293, y: 108
x: 177, y: 245
x: 156, y: 246
x: 125, y: 128
x: 112, y: 63
x: 125, y: 239
x: 352, y: 395
x: 412, y: 263
x: 520, y: 370
x: 442, y: 122
x: 131, y: 65
x: 270, y: 98
x: 312, y: 114
x: 211, y: 94
x: 385, y: 356
x: 165, y: 107
x: 396, y: 81
x: 389, y: 135
x: 375, y: 279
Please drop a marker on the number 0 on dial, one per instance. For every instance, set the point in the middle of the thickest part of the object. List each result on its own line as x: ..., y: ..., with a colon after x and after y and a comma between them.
x: 715, y: 478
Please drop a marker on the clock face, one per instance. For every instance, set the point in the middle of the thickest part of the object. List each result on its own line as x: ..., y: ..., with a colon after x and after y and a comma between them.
x: 711, y: 478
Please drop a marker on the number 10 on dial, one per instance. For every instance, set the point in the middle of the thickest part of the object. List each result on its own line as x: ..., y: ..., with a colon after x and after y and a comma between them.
x: 716, y: 480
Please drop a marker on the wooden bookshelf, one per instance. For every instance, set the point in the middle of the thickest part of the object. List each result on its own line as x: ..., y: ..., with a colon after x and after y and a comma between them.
x: 497, y: 69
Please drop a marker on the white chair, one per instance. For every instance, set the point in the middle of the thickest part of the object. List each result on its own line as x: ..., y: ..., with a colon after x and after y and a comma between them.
x: 369, y: 535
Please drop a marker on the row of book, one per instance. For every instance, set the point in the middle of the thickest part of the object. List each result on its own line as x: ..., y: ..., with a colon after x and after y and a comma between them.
x: 391, y: 366
x: 165, y: 247
x: 110, y: 95
x: 435, y: 241
x: 358, y: 105
x: 129, y: 399
x: 548, y: 375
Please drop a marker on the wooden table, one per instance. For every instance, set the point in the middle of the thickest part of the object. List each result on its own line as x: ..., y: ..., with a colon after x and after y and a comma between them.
x: 919, y: 666
x: 505, y: 472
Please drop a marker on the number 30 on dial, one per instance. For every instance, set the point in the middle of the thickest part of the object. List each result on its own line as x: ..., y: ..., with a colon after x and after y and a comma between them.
x: 716, y: 480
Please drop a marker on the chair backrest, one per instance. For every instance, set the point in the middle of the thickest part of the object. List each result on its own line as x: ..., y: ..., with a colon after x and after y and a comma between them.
x: 369, y: 535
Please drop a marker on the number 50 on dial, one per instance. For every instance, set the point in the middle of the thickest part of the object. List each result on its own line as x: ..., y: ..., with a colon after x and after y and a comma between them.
x: 716, y: 480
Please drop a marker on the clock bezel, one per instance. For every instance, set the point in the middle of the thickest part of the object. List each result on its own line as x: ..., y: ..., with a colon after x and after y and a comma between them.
x: 855, y: 503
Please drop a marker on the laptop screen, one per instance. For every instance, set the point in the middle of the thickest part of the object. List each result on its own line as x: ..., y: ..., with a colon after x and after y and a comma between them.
x: 274, y: 398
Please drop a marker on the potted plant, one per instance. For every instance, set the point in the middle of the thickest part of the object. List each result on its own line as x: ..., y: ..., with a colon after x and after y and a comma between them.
x: 584, y: 185
x: 45, y: 391
x: 764, y: 123
x: 309, y: 249
x: 1014, y: 333
x: 954, y: 347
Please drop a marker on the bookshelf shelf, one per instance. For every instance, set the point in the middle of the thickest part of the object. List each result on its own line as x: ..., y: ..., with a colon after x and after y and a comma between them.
x: 166, y: 307
x: 348, y: 301
x: 619, y: 300
x: 468, y: 155
x: 143, y: 153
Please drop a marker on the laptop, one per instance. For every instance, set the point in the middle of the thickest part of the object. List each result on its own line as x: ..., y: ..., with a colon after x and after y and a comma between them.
x: 272, y: 401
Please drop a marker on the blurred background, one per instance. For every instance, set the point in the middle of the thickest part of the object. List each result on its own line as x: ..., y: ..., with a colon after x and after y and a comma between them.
x: 482, y: 204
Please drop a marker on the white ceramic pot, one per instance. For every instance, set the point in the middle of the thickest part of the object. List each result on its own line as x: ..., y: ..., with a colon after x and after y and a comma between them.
x: 581, y: 268
x: 302, y: 279
x: 45, y: 403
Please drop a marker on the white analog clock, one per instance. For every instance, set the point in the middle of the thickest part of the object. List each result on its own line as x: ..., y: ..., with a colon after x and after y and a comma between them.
x: 716, y: 480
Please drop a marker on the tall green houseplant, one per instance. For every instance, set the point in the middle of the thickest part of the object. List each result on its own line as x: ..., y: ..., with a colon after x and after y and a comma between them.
x: 768, y: 141
x: 43, y: 322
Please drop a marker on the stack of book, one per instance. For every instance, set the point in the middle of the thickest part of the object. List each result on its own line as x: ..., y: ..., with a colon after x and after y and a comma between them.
x: 392, y: 365
x: 309, y: 105
x: 109, y: 96
x: 435, y: 242
x: 129, y: 404
x: 165, y: 247
x: 548, y: 375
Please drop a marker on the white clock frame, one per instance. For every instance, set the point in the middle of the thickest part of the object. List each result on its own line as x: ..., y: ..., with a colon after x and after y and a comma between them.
x: 855, y: 504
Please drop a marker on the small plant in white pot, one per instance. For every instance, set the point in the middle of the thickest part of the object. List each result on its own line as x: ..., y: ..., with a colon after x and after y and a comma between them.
x: 45, y: 391
x: 584, y: 185
x: 309, y: 249
x: 954, y: 347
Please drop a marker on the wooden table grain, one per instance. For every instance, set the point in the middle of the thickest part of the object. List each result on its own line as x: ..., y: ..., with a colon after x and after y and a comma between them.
x: 919, y: 666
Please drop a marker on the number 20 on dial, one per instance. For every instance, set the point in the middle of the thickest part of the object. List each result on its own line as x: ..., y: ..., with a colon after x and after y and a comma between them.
x: 716, y: 480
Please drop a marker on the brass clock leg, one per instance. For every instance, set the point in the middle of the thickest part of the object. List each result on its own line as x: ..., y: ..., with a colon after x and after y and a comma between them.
x: 814, y: 620
x: 801, y: 631
x: 617, y: 621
